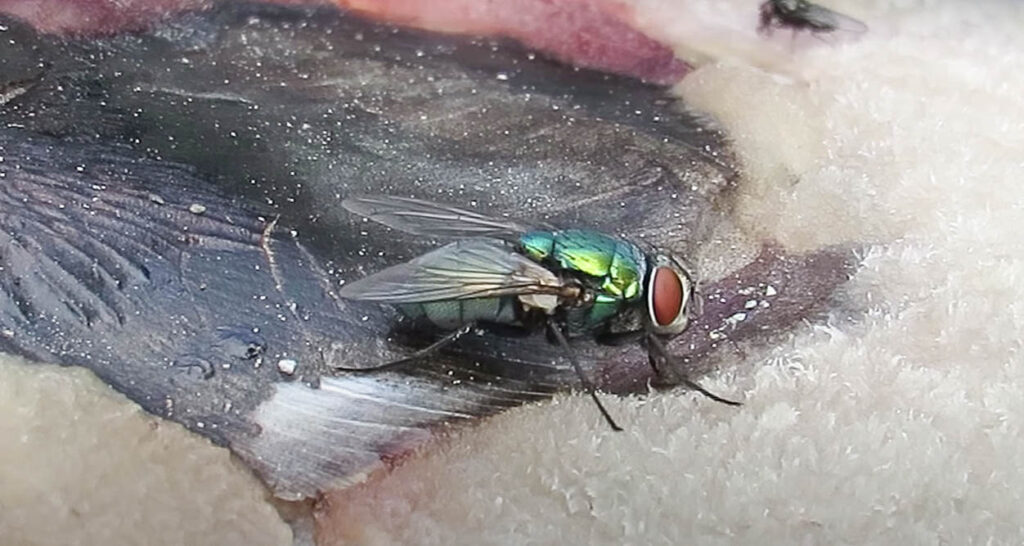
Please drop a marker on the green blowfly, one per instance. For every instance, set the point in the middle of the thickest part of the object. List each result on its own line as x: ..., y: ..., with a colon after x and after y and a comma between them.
x: 574, y: 282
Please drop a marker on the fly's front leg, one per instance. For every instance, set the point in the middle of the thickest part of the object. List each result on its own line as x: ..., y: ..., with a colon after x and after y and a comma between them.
x: 431, y: 349
x: 657, y: 351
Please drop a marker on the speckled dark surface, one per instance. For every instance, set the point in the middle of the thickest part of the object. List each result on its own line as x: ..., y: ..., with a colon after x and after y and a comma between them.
x: 265, y: 119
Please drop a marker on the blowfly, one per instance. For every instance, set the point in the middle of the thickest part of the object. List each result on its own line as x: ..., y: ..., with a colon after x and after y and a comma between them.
x: 574, y: 282
x: 804, y: 15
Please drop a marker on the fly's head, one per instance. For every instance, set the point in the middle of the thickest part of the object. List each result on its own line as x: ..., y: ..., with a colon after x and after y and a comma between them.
x: 670, y: 295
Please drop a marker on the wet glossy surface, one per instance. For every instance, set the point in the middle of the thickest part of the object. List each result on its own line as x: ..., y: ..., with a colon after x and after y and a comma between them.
x: 179, y: 229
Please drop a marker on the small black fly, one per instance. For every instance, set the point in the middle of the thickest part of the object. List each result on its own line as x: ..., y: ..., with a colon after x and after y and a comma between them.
x: 803, y: 15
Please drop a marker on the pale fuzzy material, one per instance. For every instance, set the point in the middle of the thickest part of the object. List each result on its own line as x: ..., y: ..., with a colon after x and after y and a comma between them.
x: 899, y: 420
x: 80, y: 464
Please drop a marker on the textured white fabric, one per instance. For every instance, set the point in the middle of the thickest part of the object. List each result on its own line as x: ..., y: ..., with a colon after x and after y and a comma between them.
x: 898, y: 420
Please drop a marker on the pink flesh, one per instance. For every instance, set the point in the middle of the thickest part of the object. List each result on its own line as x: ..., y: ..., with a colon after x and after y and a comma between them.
x: 586, y: 33
x: 89, y: 17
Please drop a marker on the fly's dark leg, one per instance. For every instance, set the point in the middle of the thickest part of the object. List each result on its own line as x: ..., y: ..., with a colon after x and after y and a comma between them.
x: 817, y: 34
x: 434, y: 347
x: 662, y: 352
x: 652, y: 359
x: 579, y: 372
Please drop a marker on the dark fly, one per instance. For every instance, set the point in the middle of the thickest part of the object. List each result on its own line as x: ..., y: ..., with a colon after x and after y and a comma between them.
x: 803, y: 15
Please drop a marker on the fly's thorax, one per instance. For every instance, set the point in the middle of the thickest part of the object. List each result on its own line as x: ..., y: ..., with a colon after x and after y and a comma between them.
x: 593, y: 314
x: 604, y: 308
x: 615, y: 263
x: 669, y: 294
x: 537, y: 245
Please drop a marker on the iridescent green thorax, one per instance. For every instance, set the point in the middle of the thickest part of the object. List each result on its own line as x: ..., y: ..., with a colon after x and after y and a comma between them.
x: 619, y: 264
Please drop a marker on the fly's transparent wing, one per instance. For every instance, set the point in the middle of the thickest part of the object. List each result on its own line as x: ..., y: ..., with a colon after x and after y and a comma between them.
x: 420, y: 217
x: 823, y: 17
x: 473, y: 268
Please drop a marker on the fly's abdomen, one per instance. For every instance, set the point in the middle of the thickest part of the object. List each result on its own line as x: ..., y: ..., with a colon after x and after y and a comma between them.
x: 451, y: 314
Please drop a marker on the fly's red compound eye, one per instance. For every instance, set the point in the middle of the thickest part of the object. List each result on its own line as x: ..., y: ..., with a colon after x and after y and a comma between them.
x: 666, y: 296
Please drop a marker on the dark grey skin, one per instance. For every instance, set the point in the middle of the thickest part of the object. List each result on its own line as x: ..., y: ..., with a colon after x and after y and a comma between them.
x: 182, y: 236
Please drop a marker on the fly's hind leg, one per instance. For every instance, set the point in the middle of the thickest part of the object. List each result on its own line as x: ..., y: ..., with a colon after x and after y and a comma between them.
x: 429, y: 350
x: 587, y: 386
x: 660, y: 352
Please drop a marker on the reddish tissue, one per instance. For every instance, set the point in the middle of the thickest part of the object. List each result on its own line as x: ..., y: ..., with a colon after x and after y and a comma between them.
x: 586, y: 33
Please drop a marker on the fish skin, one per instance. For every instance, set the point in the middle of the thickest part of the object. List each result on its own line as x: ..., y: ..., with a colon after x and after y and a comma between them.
x: 201, y: 230
x: 334, y: 103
